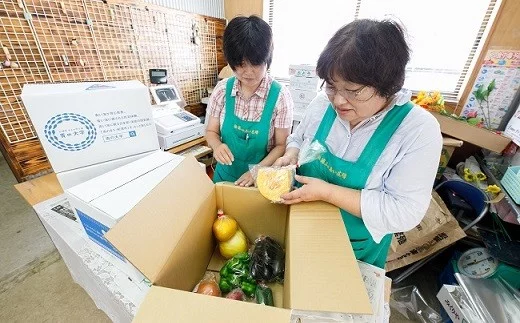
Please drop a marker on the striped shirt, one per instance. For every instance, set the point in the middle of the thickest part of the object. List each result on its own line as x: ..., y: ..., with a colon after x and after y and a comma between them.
x: 252, y: 108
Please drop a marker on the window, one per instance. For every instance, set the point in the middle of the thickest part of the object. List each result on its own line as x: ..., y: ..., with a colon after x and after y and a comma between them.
x: 444, y: 35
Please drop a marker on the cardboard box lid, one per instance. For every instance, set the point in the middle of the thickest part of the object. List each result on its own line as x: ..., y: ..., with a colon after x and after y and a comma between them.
x: 165, y: 305
x: 64, y: 88
x: 119, y: 190
x: 320, y: 253
x: 478, y: 136
x: 150, y: 252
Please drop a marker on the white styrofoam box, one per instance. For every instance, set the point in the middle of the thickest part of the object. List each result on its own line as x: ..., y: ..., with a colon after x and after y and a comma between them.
x: 450, y: 297
x: 77, y: 176
x: 102, y: 201
x: 82, y: 124
x: 304, y: 70
x: 304, y: 83
x: 300, y: 96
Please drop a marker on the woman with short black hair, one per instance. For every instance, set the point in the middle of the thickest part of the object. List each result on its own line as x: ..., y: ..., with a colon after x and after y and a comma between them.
x: 250, y: 114
x: 382, y: 151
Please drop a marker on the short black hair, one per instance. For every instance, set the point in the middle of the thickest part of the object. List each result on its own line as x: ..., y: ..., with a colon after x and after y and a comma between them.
x: 367, y: 52
x: 248, y: 39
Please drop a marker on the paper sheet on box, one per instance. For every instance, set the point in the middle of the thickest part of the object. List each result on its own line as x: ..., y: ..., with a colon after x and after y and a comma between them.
x: 118, y: 295
x: 374, y: 279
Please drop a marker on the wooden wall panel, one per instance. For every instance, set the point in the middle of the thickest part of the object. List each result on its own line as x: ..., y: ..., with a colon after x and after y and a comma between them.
x: 91, y: 40
x: 63, y: 32
x: 233, y: 8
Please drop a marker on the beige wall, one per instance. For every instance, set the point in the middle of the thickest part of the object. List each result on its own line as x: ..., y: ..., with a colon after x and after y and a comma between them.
x: 233, y: 8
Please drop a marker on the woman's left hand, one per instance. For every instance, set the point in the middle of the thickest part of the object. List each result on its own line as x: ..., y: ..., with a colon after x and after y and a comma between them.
x: 313, y: 189
x: 245, y: 180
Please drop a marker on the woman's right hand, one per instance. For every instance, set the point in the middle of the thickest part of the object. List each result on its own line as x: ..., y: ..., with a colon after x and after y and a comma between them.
x: 223, y: 155
x: 286, y: 161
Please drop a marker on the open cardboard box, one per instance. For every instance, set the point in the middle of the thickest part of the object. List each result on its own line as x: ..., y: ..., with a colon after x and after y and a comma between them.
x: 480, y: 137
x: 168, y: 237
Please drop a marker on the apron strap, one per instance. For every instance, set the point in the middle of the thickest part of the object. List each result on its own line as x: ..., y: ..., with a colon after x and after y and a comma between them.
x: 270, y: 102
x: 230, y: 99
x: 377, y: 143
x: 325, y: 125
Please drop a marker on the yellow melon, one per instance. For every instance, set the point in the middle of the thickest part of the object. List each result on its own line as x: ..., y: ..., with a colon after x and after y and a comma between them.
x: 274, y: 182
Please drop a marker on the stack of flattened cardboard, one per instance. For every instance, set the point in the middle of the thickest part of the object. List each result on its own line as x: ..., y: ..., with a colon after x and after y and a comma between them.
x: 437, y: 230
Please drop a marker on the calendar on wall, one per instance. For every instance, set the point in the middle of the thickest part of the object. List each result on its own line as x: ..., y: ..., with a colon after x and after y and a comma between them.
x: 502, y: 66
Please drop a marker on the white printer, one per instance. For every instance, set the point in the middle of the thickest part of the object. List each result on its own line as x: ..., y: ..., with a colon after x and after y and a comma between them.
x: 175, y: 125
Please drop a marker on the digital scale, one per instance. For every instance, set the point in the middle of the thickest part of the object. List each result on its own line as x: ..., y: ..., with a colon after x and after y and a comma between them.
x: 175, y: 126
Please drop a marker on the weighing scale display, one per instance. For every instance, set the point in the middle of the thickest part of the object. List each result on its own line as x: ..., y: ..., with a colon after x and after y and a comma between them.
x: 166, y: 94
x: 185, y: 116
x: 158, y: 76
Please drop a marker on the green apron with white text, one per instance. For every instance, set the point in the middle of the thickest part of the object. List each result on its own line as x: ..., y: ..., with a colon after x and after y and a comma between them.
x: 335, y: 170
x: 247, y: 140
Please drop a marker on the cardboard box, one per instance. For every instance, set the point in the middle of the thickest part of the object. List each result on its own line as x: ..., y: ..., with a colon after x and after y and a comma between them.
x: 168, y: 236
x: 102, y: 201
x: 300, y: 96
x: 304, y: 83
x: 86, y: 124
x: 111, y: 289
x: 302, y: 70
x: 451, y: 298
x: 478, y: 136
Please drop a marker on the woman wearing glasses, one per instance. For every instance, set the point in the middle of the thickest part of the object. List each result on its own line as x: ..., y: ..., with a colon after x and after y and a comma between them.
x: 382, y: 151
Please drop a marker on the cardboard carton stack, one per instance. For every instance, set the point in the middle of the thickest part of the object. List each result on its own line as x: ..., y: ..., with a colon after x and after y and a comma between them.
x: 304, y: 86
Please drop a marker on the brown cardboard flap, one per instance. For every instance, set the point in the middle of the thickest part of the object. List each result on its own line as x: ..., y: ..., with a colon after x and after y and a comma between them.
x: 148, y: 234
x: 478, y: 136
x: 169, y: 305
x: 324, y: 274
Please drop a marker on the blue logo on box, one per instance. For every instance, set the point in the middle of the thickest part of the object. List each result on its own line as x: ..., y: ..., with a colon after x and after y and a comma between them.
x: 132, y: 133
x: 70, y: 132
x: 96, y: 231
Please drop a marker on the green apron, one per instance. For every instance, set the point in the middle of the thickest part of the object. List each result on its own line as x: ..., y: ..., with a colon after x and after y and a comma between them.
x: 247, y: 140
x: 354, y: 175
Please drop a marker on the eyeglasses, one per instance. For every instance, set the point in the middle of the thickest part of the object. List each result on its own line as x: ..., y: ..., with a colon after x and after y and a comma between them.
x: 362, y: 94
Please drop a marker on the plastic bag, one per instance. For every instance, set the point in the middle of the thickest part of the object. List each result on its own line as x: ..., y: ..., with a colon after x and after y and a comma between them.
x: 237, y: 294
x: 273, y: 182
x: 235, y: 274
x: 208, y: 285
x: 409, y: 302
x: 310, y: 151
x: 267, y: 260
x: 264, y: 295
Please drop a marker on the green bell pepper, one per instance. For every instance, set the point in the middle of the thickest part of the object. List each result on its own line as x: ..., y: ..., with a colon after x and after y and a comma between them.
x: 235, y: 273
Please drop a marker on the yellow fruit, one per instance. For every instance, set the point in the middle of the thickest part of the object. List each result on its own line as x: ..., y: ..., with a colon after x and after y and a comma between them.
x: 224, y: 227
x: 274, y: 182
x: 235, y: 245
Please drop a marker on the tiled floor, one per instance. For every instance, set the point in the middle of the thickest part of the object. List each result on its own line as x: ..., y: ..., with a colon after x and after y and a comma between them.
x: 35, y: 284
